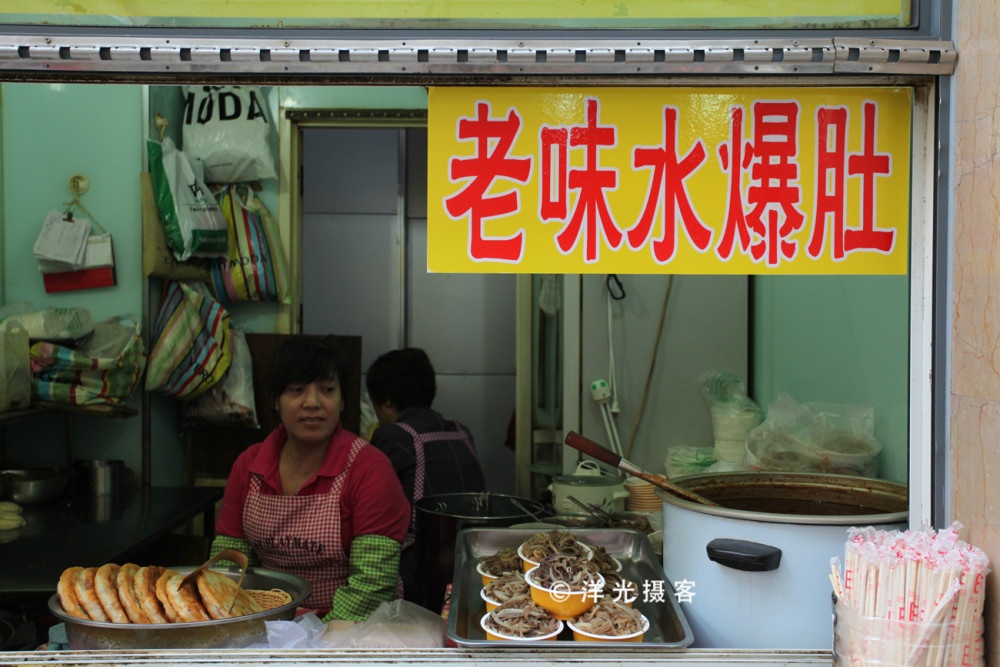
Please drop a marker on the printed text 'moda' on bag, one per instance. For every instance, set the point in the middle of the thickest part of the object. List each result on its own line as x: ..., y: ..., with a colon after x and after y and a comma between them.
x: 255, y: 268
x: 227, y: 130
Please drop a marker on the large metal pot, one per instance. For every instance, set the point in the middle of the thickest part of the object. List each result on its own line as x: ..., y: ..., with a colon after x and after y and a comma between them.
x: 238, y: 632
x: 754, y: 572
x: 438, y: 521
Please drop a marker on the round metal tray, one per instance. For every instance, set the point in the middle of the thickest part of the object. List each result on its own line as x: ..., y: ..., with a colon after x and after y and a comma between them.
x: 236, y: 632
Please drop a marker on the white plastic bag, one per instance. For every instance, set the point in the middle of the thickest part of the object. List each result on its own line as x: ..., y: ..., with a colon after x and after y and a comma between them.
x: 59, y: 324
x: 192, y: 220
x: 395, y: 624
x: 230, y: 402
x: 814, y: 437
x: 227, y: 129
x: 62, y: 241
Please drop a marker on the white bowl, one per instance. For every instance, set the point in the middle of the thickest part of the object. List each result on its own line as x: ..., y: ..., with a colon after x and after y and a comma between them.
x: 581, y: 635
x: 490, y: 634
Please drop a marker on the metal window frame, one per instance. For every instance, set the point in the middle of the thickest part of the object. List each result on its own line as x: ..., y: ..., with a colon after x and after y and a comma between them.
x: 417, y: 60
x: 505, y: 60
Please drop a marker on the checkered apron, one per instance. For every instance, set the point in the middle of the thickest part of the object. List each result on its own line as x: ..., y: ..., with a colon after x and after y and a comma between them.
x: 300, y: 535
x: 420, y: 472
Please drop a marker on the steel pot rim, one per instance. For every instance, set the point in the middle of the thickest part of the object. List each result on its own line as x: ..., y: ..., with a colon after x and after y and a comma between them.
x: 813, y: 480
x: 424, y: 506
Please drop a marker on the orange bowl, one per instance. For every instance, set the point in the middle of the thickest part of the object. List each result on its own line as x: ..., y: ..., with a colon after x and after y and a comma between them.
x: 621, y: 590
x: 495, y: 637
x: 583, y: 636
x: 491, y: 604
x: 562, y: 602
x: 528, y: 564
x: 485, y: 576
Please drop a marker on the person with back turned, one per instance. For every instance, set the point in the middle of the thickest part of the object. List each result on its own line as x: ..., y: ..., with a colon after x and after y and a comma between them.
x: 431, y: 455
x: 314, y: 499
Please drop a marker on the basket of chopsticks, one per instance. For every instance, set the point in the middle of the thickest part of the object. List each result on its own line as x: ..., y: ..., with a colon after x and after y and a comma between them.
x: 912, y: 598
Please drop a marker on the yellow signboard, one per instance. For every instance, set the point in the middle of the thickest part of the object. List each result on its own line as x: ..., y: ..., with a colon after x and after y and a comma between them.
x: 669, y: 180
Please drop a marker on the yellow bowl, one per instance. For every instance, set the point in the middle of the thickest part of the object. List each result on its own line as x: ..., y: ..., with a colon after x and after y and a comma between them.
x: 528, y: 564
x: 491, y: 604
x: 622, y: 596
x: 582, y: 636
x: 495, y: 637
x: 562, y: 602
x: 485, y: 576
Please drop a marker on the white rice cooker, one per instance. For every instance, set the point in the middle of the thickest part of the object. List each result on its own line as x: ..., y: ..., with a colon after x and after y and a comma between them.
x: 591, y: 485
x: 755, y: 571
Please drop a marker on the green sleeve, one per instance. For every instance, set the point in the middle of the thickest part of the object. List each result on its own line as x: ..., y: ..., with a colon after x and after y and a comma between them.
x: 226, y: 542
x: 373, y: 578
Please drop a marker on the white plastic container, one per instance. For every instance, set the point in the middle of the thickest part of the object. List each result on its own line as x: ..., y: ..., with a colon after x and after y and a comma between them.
x: 757, y: 567
x: 588, y: 485
x: 15, y: 367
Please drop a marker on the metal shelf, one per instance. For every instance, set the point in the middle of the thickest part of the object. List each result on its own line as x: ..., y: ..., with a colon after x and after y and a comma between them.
x: 122, y: 411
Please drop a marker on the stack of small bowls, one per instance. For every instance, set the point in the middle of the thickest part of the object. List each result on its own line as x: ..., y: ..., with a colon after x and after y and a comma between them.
x: 566, y: 607
x: 641, y: 496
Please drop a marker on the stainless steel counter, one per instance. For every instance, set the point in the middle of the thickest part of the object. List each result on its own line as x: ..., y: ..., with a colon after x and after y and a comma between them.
x: 424, y: 657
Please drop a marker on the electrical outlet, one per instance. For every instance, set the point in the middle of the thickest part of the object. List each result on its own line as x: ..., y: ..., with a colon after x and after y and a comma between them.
x: 600, y: 390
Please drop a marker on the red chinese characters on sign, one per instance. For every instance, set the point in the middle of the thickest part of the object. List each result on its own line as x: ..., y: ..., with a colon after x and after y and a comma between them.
x: 774, y: 193
x: 735, y: 157
x: 494, y: 138
x: 763, y: 219
x: 591, y: 220
x: 666, y: 194
x: 833, y: 168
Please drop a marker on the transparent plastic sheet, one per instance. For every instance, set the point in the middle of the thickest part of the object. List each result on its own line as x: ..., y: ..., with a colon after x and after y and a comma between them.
x: 814, y: 437
x: 395, y: 624
x: 860, y: 641
x: 58, y: 324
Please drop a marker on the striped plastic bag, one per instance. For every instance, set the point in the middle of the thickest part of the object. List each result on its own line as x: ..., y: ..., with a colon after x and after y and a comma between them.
x: 255, y: 268
x: 192, y: 349
x: 104, y: 369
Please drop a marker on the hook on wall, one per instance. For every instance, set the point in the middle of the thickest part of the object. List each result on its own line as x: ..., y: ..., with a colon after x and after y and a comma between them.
x: 78, y: 184
x: 161, y: 124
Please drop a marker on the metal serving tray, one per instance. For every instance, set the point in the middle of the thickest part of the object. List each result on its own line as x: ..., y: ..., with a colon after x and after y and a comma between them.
x: 667, y: 626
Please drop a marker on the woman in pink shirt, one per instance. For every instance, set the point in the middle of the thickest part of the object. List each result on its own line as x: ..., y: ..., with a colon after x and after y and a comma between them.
x: 314, y: 499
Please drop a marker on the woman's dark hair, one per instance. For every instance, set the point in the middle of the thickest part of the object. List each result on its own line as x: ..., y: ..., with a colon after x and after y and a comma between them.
x: 405, y: 377
x: 305, y: 359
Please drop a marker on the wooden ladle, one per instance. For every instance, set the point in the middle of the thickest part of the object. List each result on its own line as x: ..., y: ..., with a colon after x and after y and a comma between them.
x: 605, y: 455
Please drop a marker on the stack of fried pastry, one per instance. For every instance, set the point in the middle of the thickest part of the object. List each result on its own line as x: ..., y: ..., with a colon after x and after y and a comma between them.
x: 151, y: 594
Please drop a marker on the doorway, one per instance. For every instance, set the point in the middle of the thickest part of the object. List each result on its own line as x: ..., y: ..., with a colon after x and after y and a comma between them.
x: 364, y: 273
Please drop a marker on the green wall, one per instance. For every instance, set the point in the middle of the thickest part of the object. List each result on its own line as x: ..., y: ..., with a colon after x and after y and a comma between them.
x: 50, y: 132
x: 837, y: 339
